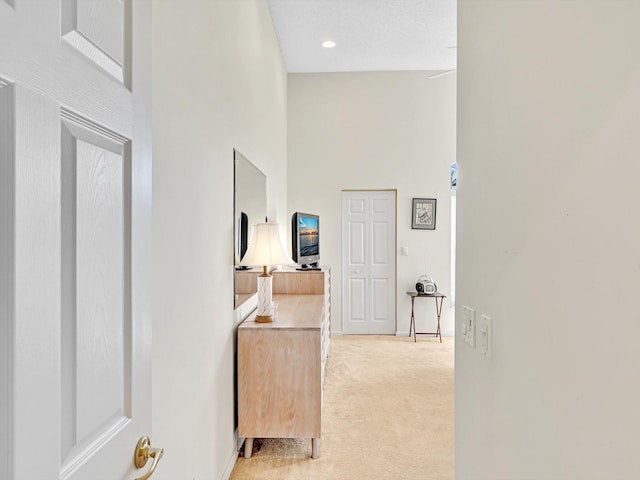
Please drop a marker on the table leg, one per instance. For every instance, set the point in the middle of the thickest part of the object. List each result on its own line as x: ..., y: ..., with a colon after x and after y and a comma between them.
x: 248, y: 447
x: 413, y: 321
x: 438, y: 313
x: 315, y: 448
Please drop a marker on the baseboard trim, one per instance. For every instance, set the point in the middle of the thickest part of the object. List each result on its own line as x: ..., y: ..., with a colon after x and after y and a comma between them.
x: 230, y: 464
x: 337, y: 334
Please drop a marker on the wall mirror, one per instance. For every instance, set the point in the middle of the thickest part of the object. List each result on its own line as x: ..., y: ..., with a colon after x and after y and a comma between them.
x: 249, y: 208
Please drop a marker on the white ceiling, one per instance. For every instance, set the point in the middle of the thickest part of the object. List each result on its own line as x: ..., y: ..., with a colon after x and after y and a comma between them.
x: 370, y: 35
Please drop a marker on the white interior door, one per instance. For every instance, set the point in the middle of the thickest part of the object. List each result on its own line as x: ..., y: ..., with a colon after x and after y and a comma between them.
x: 75, y: 238
x: 369, y: 262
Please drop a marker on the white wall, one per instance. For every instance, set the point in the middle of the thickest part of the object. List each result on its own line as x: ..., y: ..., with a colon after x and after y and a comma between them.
x: 548, y: 235
x: 376, y: 131
x: 219, y: 83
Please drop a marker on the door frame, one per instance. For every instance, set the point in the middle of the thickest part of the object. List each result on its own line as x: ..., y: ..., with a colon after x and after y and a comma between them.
x: 395, y: 241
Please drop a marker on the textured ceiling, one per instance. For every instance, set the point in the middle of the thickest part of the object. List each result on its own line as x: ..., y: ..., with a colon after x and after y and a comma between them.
x: 370, y: 35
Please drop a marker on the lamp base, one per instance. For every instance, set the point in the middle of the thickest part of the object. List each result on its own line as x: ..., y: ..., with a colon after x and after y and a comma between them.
x: 264, y: 319
x: 264, y: 298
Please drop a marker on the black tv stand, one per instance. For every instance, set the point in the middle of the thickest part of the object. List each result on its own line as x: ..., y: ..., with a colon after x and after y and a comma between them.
x: 309, y: 268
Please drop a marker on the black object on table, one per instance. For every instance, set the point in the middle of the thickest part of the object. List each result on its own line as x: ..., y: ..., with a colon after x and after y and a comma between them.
x: 435, y: 296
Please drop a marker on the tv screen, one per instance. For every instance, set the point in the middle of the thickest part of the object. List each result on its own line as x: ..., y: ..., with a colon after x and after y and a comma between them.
x: 305, y: 238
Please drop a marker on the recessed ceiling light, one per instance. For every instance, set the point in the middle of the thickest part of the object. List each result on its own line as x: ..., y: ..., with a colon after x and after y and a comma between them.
x: 328, y: 44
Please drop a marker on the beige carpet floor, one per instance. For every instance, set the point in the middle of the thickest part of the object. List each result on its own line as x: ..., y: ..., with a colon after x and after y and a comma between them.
x: 387, y: 415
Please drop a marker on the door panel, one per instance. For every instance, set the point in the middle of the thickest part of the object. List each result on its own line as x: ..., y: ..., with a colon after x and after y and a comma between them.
x: 379, y: 242
x: 368, y: 246
x: 356, y: 206
x: 380, y: 205
x: 379, y: 292
x: 100, y: 314
x: 356, y: 243
x: 356, y: 299
x: 96, y: 29
x: 96, y: 287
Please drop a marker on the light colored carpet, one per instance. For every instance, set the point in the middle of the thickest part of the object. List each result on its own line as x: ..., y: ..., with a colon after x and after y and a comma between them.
x: 387, y: 415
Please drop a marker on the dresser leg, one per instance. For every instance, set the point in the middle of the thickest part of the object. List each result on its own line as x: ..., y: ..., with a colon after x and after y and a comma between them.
x: 315, y: 448
x: 248, y: 447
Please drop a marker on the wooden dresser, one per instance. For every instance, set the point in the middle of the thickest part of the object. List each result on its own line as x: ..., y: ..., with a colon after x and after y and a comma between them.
x: 281, y: 365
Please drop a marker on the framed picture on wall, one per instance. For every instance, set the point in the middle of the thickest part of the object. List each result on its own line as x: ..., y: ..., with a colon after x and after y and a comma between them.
x: 424, y: 214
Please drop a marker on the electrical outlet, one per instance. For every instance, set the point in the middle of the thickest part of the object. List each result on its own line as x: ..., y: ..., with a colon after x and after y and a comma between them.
x: 469, y: 325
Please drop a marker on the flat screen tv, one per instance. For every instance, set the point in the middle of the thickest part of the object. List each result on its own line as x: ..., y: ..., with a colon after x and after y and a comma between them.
x: 305, y: 239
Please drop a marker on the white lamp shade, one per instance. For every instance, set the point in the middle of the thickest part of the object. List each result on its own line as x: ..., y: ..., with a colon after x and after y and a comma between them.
x: 265, y: 247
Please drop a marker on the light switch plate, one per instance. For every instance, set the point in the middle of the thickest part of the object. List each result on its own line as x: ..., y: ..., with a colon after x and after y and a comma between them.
x: 486, y: 335
x: 469, y: 327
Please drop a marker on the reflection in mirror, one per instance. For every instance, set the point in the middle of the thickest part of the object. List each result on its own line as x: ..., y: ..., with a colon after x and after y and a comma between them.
x: 250, y: 207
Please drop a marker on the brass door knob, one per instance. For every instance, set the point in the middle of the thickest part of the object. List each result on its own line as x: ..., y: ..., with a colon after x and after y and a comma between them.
x: 143, y: 452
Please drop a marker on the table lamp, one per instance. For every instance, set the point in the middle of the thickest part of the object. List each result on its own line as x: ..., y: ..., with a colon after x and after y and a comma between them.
x: 265, y: 249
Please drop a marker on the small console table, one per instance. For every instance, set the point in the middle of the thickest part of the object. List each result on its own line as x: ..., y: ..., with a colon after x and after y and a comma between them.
x: 435, y: 296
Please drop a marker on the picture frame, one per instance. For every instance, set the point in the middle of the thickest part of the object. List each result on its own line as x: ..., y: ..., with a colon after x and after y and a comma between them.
x: 423, y: 214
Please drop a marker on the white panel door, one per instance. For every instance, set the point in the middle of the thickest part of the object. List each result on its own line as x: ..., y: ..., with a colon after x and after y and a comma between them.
x: 369, y: 262
x: 75, y: 238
